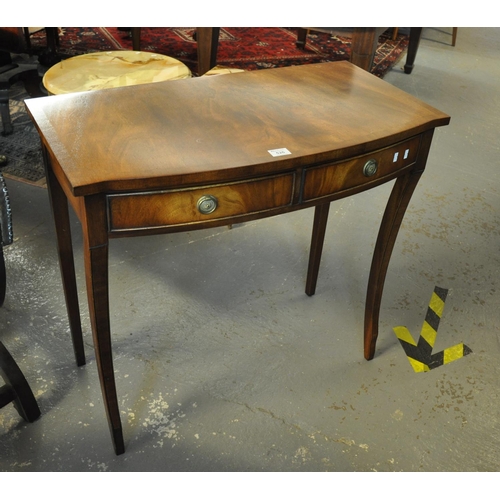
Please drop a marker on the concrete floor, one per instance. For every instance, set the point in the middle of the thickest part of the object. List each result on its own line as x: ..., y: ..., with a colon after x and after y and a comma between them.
x: 224, y: 364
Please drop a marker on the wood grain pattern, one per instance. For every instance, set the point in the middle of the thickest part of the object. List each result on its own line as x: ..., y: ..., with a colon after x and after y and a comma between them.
x: 328, y: 179
x: 213, y: 129
x: 171, y: 208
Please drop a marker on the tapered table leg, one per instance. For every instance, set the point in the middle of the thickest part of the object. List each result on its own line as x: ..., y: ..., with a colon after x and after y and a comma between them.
x: 391, y: 222
x: 317, y: 240
x: 415, y: 34
x: 94, y: 225
x: 59, y: 204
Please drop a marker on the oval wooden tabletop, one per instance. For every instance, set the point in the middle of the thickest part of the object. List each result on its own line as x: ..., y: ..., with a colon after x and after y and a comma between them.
x: 208, y: 129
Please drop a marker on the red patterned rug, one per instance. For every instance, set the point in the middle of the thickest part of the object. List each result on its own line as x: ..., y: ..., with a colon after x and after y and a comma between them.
x: 245, y: 48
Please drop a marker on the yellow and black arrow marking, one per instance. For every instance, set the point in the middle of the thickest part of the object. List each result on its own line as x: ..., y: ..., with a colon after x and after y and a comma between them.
x: 420, y: 354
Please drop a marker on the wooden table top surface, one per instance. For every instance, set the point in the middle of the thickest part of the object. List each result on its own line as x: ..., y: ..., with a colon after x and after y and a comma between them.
x: 221, y: 128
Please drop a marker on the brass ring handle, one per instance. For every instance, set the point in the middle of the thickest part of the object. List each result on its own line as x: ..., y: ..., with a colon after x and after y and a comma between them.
x: 370, y: 168
x: 207, y: 204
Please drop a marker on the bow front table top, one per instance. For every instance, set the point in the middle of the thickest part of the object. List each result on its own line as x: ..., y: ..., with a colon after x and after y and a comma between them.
x: 203, y: 152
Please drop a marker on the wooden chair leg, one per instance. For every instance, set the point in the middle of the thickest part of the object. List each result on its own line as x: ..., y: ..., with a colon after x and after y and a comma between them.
x: 17, y: 389
x: 454, y: 37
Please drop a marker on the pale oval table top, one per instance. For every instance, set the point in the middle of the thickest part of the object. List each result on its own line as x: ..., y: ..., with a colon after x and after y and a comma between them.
x: 105, y: 70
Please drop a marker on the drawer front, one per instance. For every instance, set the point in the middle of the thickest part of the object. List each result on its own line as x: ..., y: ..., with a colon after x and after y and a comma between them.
x: 171, y: 208
x: 333, y: 178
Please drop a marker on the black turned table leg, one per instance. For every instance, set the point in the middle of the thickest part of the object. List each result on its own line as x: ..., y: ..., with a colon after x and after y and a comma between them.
x: 415, y: 34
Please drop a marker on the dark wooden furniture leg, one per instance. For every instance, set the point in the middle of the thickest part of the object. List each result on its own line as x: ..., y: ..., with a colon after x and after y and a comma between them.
x: 388, y: 232
x: 415, y: 34
x: 318, y: 237
x: 208, y: 41
x: 60, y: 212
x: 136, y: 38
x: 16, y: 390
x: 302, y: 37
x: 49, y: 56
x: 364, y: 45
x: 94, y: 225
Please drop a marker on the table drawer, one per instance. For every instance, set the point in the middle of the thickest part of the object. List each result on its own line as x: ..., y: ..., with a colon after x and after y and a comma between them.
x: 328, y: 179
x: 171, y: 208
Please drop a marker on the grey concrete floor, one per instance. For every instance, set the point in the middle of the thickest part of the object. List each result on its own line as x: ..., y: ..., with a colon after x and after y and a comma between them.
x: 224, y: 364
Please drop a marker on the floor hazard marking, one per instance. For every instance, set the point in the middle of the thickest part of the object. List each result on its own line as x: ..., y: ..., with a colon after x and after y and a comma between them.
x: 420, y: 353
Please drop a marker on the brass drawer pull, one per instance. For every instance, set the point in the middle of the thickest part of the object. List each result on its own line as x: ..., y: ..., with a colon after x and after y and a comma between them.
x: 207, y: 204
x: 370, y: 168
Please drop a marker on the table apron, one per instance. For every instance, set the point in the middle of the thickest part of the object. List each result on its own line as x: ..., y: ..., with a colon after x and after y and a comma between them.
x: 174, y: 210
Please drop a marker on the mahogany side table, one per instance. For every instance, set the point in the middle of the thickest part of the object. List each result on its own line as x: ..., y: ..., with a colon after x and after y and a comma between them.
x: 205, y: 152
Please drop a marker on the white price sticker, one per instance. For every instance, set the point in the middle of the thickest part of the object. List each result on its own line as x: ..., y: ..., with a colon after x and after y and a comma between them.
x: 279, y: 152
